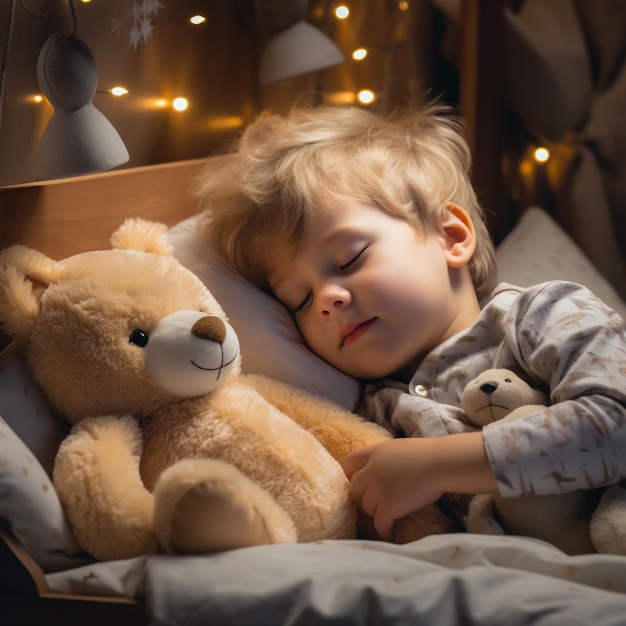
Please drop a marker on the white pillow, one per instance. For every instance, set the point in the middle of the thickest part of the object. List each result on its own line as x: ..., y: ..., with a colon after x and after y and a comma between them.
x: 270, y: 341
x: 538, y: 249
x: 27, y: 411
x: 30, y: 434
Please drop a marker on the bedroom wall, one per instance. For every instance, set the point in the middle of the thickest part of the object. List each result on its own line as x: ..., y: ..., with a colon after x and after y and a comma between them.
x: 213, y: 65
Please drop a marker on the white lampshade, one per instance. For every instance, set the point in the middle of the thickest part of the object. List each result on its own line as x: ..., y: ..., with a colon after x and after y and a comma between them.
x: 299, y: 49
x: 78, y: 139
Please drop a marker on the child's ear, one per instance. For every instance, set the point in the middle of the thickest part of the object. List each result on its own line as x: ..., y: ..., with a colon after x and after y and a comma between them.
x: 460, y: 236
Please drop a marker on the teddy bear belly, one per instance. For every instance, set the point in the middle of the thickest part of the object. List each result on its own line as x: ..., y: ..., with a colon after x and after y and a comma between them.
x: 239, y: 427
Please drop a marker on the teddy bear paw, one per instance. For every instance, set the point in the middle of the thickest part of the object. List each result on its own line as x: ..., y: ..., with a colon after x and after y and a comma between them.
x: 205, y: 506
x: 481, y: 516
x: 608, y: 523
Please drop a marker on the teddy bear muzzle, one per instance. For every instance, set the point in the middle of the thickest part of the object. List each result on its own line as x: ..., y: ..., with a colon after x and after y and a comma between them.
x: 190, y: 353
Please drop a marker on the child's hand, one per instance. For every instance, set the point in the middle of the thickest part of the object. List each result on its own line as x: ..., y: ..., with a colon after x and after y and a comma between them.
x: 391, y: 479
x: 396, y: 477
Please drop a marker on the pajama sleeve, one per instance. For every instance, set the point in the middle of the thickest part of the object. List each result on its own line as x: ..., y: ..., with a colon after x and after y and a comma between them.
x: 563, y: 335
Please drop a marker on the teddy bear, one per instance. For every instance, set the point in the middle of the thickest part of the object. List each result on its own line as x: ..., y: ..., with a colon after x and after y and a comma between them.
x: 171, y: 448
x: 578, y: 522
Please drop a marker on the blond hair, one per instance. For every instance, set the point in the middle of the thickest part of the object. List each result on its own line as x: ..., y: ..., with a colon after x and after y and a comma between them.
x: 410, y: 164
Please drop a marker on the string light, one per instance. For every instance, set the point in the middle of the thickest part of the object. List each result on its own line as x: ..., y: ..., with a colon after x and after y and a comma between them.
x: 541, y: 155
x: 197, y: 19
x: 342, y: 11
x: 366, y: 96
x: 359, y: 54
x: 118, y: 91
x: 37, y: 98
x: 180, y: 104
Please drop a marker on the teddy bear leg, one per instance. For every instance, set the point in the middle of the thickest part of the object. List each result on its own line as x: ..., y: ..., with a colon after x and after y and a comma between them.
x: 608, y: 522
x: 204, y: 505
x: 481, y: 516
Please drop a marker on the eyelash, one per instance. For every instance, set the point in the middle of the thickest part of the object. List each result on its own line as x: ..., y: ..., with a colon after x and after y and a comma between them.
x: 354, y: 262
x: 351, y: 264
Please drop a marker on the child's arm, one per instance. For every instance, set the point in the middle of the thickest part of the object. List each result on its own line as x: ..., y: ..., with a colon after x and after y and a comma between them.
x: 400, y: 476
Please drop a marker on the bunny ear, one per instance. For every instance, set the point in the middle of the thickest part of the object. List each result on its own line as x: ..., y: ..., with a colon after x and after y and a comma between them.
x: 142, y: 235
x: 24, y: 276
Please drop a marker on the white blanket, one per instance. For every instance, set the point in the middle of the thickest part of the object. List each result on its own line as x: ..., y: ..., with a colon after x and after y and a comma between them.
x: 440, y: 580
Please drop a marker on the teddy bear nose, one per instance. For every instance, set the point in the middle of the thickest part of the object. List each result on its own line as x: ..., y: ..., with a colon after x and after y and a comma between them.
x: 211, y: 328
x: 488, y: 388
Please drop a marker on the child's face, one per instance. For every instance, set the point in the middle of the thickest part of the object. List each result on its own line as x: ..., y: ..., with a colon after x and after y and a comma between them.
x: 370, y: 295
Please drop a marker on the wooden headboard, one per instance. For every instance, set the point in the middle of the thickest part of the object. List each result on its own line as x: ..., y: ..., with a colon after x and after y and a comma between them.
x: 64, y: 217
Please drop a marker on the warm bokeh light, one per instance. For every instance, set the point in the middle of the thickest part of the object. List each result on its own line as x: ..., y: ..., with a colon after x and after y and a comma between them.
x: 342, y: 11
x: 340, y: 97
x: 180, y: 104
x: 526, y: 168
x: 197, y: 19
x: 225, y: 123
x: 118, y: 91
x: 359, y: 54
x: 160, y: 103
x: 403, y: 5
x: 541, y: 155
x: 37, y: 98
x: 366, y: 96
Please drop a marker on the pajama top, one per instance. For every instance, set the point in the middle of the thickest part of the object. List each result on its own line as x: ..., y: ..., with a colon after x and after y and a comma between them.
x: 557, y: 336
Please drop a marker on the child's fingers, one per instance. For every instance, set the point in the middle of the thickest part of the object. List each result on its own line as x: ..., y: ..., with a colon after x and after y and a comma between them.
x: 383, y: 523
x: 355, y: 461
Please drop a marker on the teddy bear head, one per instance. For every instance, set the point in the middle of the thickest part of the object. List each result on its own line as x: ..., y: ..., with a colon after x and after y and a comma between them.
x: 495, y: 394
x: 121, y: 331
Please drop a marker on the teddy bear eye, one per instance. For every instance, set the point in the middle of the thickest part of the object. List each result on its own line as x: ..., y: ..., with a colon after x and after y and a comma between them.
x: 139, y: 338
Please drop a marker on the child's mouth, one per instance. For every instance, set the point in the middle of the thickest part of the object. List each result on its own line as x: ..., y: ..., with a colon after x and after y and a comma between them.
x: 351, y: 332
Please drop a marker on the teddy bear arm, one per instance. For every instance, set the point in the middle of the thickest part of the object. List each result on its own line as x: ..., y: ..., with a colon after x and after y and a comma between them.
x: 342, y: 432
x: 518, y: 413
x: 336, y: 428
x: 96, y: 475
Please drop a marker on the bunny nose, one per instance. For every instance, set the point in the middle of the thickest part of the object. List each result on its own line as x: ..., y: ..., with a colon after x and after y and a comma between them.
x: 488, y: 388
x: 211, y: 328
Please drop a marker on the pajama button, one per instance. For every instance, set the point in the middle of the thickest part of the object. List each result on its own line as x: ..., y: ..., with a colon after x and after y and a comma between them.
x: 420, y: 390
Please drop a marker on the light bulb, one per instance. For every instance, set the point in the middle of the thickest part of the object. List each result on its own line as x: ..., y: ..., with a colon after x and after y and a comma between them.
x: 180, y: 104
x: 119, y: 91
x: 359, y: 54
x: 541, y: 155
x: 342, y: 11
x: 366, y: 96
x: 197, y: 19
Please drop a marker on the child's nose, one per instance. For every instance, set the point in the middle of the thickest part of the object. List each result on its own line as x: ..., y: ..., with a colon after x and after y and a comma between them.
x: 331, y: 298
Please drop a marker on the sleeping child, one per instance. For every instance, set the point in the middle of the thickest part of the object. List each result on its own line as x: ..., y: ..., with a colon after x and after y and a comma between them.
x: 367, y: 229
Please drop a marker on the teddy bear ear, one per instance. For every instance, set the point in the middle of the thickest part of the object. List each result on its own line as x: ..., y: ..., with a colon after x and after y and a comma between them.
x: 143, y: 235
x: 24, y: 276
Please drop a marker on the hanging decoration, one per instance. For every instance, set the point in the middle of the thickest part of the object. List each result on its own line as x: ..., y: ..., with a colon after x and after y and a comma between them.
x: 140, y: 17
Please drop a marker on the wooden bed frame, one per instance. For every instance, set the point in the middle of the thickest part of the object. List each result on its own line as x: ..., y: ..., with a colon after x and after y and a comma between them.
x: 72, y: 215
x: 65, y: 217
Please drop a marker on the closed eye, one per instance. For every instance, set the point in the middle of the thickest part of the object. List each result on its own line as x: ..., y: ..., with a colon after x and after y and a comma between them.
x: 354, y: 262
x: 303, y: 303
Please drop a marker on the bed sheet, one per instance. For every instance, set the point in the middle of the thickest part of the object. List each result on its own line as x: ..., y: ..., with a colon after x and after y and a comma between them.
x: 457, y: 579
x: 440, y: 580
